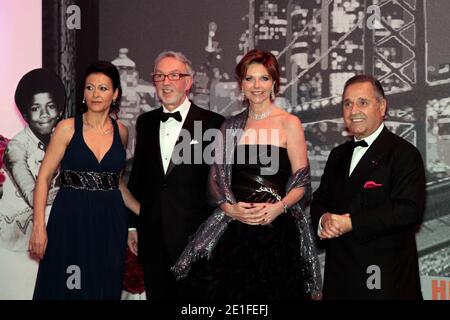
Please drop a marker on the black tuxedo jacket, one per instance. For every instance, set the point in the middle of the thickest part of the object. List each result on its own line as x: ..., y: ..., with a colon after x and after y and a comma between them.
x: 173, y: 204
x: 385, y: 197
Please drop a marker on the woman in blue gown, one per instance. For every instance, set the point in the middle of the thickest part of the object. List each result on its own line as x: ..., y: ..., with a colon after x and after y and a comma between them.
x: 82, y: 250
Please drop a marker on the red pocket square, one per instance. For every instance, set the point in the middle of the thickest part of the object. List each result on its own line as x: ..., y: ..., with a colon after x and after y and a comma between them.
x: 371, y: 185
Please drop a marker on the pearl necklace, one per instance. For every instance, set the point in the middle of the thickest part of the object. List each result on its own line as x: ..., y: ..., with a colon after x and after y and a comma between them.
x: 100, y: 131
x: 259, y: 116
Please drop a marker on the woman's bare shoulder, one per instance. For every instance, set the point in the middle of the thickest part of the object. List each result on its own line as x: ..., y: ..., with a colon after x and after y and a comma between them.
x: 123, y: 132
x: 65, y: 129
x: 289, y: 121
x: 121, y: 126
x: 68, y: 123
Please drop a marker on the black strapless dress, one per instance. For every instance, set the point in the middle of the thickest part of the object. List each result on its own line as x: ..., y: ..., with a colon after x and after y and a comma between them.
x: 253, y: 262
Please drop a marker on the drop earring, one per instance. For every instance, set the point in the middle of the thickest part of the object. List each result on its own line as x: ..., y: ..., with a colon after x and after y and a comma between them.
x: 84, y: 100
x: 272, y: 94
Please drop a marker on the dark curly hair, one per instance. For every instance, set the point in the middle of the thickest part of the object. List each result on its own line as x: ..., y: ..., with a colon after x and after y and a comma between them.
x: 109, y: 70
x: 39, y: 81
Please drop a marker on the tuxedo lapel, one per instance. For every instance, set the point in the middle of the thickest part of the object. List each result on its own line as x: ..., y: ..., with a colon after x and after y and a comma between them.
x: 188, y: 126
x: 155, y: 143
x: 346, y: 159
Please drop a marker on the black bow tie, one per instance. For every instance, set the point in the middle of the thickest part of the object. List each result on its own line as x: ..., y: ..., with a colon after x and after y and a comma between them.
x: 176, y: 115
x: 360, y: 143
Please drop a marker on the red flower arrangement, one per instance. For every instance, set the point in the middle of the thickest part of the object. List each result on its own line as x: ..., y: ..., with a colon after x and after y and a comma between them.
x: 133, y: 280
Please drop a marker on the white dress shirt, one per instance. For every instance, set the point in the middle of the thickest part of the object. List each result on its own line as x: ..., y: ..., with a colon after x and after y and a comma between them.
x: 168, y: 135
x: 169, y: 132
x: 358, y: 153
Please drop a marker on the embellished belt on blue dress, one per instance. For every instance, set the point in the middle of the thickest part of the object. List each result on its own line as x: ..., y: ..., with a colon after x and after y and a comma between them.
x: 89, y: 180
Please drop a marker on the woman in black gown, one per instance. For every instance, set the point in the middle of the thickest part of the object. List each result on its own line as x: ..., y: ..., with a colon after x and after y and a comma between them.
x: 83, y: 247
x: 258, y: 241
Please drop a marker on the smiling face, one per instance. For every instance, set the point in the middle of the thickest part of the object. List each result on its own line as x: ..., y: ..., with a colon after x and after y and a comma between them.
x: 257, y: 84
x: 99, y: 92
x: 43, y: 114
x: 172, y: 93
x: 363, y: 111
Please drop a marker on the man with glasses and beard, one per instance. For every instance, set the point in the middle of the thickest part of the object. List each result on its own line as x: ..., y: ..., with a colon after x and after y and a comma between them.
x: 172, y: 194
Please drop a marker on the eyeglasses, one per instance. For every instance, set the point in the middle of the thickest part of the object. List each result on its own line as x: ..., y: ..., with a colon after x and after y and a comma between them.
x: 158, y: 77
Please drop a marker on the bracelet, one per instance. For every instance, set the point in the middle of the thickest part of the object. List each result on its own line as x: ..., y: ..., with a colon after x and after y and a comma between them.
x: 285, y: 207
